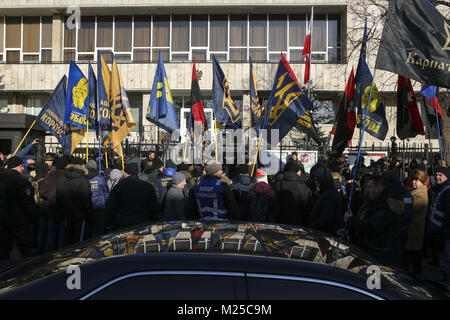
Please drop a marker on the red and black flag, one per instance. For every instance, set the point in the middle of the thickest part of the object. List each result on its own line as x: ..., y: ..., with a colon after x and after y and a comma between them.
x: 431, y: 102
x: 409, y: 122
x: 345, y: 119
x: 197, y: 117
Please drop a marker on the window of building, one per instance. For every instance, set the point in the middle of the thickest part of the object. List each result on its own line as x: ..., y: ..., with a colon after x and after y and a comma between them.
x: 234, y: 37
x: 34, y: 104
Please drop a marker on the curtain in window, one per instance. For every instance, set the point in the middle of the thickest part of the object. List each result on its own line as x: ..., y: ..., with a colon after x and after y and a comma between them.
x: 122, y: 34
x: 238, y: 30
x: 31, y: 31
x: 161, y: 32
x: 297, y: 30
x: 319, y: 33
x: 218, y: 37
x: 86, y: 35
x: 277, y: 32
x: 142, y: 27
x: 13, y: 36
x: 1, y: 34
x: 180, y: 33
x: 104, y: 31
x: 258, y: 30
x: 69, y: 36
x: 47, y: 32
x: 199, y: 33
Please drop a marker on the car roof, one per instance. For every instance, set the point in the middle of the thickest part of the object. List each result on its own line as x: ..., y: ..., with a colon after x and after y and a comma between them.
x: 268, y: 240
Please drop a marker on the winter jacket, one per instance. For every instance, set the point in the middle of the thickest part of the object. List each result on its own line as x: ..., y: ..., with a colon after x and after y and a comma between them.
x: 114, y: 178
x: 327, y: 214
x: 175, y: 205
x: 99, y: 189
x: 143, y: 176
x: 47, y: 190
x: 242, y: 185
x: 73, y: 194
x: 439, y: 217
x: 262, y: 202
x: 294, y: 199
x: 162, y: 184
x: 21, y: 208
x: 22, y: 154
x: 419, y: 214
x: 131, y: 202
x: 376, y: 230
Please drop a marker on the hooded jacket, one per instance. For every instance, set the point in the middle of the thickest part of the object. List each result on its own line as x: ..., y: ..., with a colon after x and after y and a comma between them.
x: 47, y: 190
x: 242, y: 185
x: 73, y: 193
x: 99, y: 189
x: 263, y: 204
x: 114, y: 178
x: 294, y: 199
x: 328, y: 209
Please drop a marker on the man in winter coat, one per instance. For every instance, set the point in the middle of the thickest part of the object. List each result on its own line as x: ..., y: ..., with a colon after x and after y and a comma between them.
x: 100, y: 195
x: 175, y: 204
x: 55, y: 221
x: 263, y: 204
x: 439, y: 219
x: 20, y: 212
x: 114, y: 177
x: 375, y: 228
x: 74, y: 200
x: 211, y: 198
x: 327, y: 212
x: 162, y: 185
x: 294, y: 197
x: 241, y: 186
x: 132, y: 201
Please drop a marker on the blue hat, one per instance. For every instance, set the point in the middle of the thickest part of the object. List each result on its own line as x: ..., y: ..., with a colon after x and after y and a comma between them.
x: 169, y: 172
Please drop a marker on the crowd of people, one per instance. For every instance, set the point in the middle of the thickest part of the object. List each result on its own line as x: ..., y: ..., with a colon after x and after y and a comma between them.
x: 397, y: 213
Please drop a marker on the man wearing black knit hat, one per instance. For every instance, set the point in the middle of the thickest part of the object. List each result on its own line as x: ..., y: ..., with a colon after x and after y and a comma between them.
x: 132, y: 201
x: 439, y: 218
x: 20, y: 212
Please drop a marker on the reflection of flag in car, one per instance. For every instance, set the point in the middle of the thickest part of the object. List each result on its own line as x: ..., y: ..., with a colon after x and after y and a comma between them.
x: 52, y: 115
x: 375, y: 120
x: 270, y: 240
x: 77, y: 104
x: 224, y: 108
x: 165, y: 239
x: 218, y: 237
x: 286, y: 105
x: 122, y: 121
x: 161, y: 110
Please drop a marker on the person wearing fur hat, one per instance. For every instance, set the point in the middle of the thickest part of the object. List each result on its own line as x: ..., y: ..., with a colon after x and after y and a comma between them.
x: 211, y: 198
x: 131, y: 201
x: 74, y: 199
x: 439, y: 218
x: 20, y: 212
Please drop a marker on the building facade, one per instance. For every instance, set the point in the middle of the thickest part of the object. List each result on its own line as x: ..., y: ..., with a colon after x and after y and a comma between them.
x: 36, y: 46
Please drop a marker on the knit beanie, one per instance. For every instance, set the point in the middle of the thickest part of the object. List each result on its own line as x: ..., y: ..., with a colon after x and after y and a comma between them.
x: 292, y: 166
x: 61, y: 163
x: 132, y: 169
x: 178, y: 178
x: 212, y: 167
x: 445, y: 171
x: 91, y: 165
x: 261, y: 176
x: 14, y: 162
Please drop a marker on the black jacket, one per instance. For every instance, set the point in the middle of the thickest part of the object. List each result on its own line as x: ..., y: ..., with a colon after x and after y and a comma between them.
x: 20, y: 208
x: 294, y: 199
x: 445, y: 230
x: 327, y: 214
x: 131, y: 201
x: 73, y: 194
x: 47, y: 190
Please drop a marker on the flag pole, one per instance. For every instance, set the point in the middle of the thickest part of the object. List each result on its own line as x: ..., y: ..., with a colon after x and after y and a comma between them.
x: 87, y: 142
x: 26, y: 134
x: 438, y: 129
x: 256, y: 156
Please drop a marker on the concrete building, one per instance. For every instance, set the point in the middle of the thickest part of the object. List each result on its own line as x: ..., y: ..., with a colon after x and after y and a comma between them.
x: 36, y: 47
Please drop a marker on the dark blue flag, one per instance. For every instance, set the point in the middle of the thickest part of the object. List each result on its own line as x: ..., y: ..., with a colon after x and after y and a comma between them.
x: 376, y: 123
x: 161, y: 110
x: 165, y: 239
x: 52, y: 114
x: 225, y: 110
x: 77, y: 101
x: 286, y: 105
x: 255, y: 107
x: 92, y: 87
x: 103, y: 89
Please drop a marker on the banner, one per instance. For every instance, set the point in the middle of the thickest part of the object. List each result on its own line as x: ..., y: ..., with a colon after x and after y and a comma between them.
x: 416, y: 42
x: 161, y: 110
x: 224, y: 108
x: 92, y: 87
x: 51, y: 117
x: 103, y: 99
x: 77, y: 102
x: 255, y: 107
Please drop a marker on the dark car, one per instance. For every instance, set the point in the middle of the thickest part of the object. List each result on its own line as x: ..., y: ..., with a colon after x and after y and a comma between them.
x: 211, y: 261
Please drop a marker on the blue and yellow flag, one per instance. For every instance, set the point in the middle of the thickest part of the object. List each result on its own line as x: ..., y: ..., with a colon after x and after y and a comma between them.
x: 165, y: 239
x: 122, y: 121
x: 92, y: 81
x: 161, y: 110
x: 375, y: 122
x: 224, y: 108
x: 286, y: 105
x: 52, y: 115
x: 77, y: 102
x: 255, y: 107
x: 103, y: 87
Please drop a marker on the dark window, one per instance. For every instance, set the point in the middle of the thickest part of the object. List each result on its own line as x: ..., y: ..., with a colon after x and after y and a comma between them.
x: 175, y: 287
x: 278, y: 289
